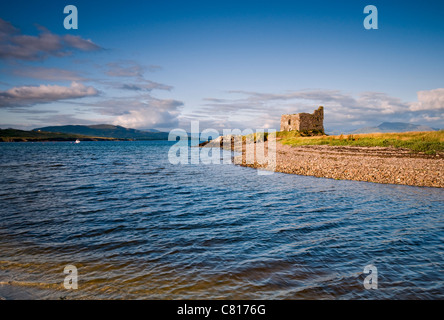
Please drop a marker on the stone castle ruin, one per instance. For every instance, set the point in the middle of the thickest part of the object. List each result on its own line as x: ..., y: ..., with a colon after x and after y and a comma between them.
x: 304, y: 121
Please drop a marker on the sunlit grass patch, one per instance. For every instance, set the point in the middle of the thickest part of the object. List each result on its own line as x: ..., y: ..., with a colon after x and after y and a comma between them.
x: 429, y: 142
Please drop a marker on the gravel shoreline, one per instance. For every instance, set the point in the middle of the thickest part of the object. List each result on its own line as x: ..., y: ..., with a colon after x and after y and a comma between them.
x: 370, y: 164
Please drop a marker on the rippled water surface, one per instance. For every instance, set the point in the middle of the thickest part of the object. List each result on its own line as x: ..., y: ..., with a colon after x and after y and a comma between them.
x: 138, y: 227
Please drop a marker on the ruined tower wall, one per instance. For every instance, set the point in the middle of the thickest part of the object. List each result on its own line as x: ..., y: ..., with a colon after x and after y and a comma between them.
x: 290, y: 122
x: 303, y: 121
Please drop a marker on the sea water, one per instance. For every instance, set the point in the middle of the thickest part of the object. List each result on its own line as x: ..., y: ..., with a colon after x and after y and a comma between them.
x: 136, y: 226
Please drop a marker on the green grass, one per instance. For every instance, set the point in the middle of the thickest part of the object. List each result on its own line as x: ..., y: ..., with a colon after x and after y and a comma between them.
x: 255, y: 137
x: 429, y: 142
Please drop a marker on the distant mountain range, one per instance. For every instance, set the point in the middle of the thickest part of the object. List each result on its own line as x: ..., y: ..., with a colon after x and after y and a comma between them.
x: 108, y: 131
x: 394, y: 127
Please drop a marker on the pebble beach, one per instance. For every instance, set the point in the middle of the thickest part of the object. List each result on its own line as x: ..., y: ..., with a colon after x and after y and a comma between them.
x: 371, y: 164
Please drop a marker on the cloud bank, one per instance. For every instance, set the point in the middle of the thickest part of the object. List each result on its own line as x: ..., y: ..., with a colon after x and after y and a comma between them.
x: 342, y: 110
x: 141, y: 112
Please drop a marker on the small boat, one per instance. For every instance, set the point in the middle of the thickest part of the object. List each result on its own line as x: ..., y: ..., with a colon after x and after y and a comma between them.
x: 77, y: 141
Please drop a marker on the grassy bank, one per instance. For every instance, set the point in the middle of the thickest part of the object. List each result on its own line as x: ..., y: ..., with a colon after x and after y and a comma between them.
x: 429, y: 142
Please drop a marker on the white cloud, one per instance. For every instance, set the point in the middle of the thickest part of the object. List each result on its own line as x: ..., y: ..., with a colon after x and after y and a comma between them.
x: 143, y: 111
x: 147, y: 85
x: 133, y: 70
x: 31, y: 95
x: 429, y: 100
x: 14, y: 45
x: 127, y: 68
x: 51, y: 74
x: 155, y: 114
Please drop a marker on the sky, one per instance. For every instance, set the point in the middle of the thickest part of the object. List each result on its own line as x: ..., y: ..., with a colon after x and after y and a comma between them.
x: 227, y: 64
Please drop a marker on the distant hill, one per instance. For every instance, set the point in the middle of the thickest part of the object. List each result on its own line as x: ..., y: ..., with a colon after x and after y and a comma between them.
x: 394, y: 127
x: 108, y: 131
x: 14, y: 135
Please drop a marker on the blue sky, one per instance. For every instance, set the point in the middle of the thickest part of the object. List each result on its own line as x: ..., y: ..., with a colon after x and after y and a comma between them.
x: 228, y: 64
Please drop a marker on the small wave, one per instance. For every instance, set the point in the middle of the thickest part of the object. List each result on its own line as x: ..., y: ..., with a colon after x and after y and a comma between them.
x: 56, y: 165
x: 42, y: 285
